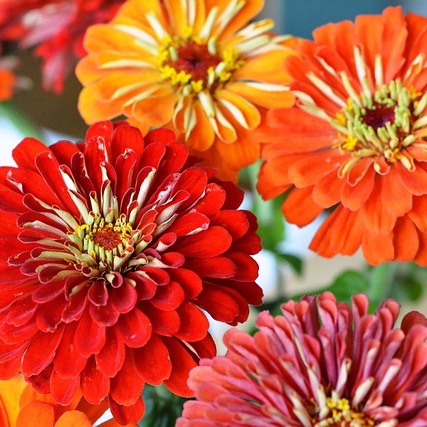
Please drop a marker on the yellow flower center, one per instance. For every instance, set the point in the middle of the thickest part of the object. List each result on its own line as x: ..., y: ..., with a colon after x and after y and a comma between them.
x: 340, y: 414
x: 191, y: 65
x: 105, y: 241
x: 383, y: 124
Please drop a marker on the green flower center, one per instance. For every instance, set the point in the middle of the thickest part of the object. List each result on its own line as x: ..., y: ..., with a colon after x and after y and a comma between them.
x: 383, y: 124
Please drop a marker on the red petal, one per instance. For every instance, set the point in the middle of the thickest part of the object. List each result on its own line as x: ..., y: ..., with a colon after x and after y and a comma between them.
x: 64, y: 389
x: 206, y: 244
x: 182, y: 363
x: 246, y: 266
x: 95, y: 385
x: 212, y: 201
x: 194, y: 324
x: 110, y: 359
x: 124, y: 298
x: 134, y: 328
x: 26, y: 151
x: 163, y: 322
x: 21, y: 312
x: 87, y: 327
x: 219, y: 304
x: 104, y: 315
x: 189, y: 223
x: 98, y: 294
x: 50, y: 170
x: 68, y: 361
x: 41, y: 352
x: 219, y: 267
x: 188, y: 280
x: 127, y: 414
x: 64, y: 151
x: 49, y: 316
x: 163, y: 135
x: 152, y: 361
x: 75, y: 307
x: 48, y: 291
x: 125, y: 138
x: 168, y: 297
x: 126, y: 387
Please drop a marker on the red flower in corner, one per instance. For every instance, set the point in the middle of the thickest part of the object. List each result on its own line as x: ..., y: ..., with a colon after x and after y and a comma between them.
x: 110, y: 251
x: 55, y: 28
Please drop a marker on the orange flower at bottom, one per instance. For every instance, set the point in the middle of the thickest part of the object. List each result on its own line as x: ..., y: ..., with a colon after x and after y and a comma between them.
x: 356, y: 139
x: 7, y: 84
x: 21, y: 406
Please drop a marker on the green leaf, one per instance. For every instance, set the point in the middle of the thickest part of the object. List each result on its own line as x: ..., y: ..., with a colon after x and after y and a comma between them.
x: 162, y: 408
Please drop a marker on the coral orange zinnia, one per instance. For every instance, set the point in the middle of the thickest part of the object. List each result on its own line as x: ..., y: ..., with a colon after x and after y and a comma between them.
x: 195, y: 66
x: 319, y: 364
x: 110, y: 251
x: 356, y: 138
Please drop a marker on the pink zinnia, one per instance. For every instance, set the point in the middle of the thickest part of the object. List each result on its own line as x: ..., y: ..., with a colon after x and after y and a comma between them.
x: 320, y: 363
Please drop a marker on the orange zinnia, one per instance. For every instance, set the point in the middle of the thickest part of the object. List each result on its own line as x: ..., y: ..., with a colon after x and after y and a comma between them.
x: 21, y: 406
x: 356, y: 138
x: 195, y: 66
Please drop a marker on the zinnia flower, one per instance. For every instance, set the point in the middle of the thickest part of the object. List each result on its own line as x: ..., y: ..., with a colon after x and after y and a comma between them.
x: 55, y: 28
x: 21, y: 406
x: 320, y: 363
x: 355, y: 140
x: 110, y: 251
x: 194, y: 66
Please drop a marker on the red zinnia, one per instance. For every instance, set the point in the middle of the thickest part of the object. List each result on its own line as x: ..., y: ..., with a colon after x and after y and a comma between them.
x: 320, y: 363
x: 356, y: 139
x: 110, y: 251
x: 56, y: 28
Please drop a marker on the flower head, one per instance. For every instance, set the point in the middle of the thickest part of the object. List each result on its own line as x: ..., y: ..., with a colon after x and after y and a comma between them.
x: 21, y: 406
x: 195, y: 66
x: 55, y: 28
x: 320, y: 363
x: 110, y: 251
x: 355, y: 140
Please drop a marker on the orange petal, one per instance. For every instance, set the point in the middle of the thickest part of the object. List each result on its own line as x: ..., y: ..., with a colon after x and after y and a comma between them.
x: 354, y: 196
x: 243, y: 152
x: 327, y: 191
x: 36, y: 414
x: 267, y: 67
x: 377, y: 219
x: 378, y: 248
x: 202, y: 136
x: 248, y: 11
x: 155, y: 110
x: 93, y: 110
x: 263, y: 95
x: 405, y: 240
x: 299, y: 208
x: 237, y: 109
x: 73, y: 418
x: 10, y: 393
x: 340, y: 233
